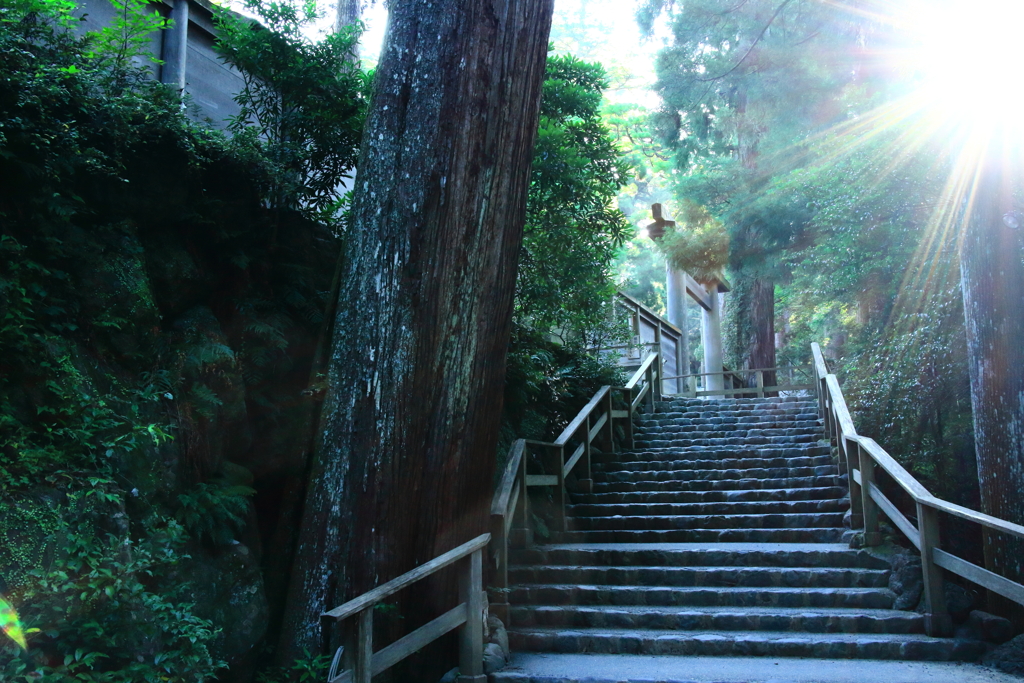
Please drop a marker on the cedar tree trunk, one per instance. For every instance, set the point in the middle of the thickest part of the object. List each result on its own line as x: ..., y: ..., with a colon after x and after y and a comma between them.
x: 992, y: 278
x: 404, y: 468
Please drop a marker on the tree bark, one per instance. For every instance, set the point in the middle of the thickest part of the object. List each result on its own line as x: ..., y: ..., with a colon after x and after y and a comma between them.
x: 992, y: 279
x: 403, y: 471
x: 346, y: 13
x: 753, y: 301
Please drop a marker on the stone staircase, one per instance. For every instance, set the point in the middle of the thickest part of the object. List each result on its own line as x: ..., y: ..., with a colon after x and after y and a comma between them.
x: 719, y: 534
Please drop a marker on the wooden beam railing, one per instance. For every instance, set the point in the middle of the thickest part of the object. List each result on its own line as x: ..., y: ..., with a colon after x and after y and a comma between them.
x: 568, y: 454
x: 651, y: 333
x: 468, y: 615
x: 862, y: 459
x: 755, y: 383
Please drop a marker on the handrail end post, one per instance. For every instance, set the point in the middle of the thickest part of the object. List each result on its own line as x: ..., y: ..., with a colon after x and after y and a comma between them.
x: 869, y: 508
x: 471, y: 636
x: 937, y: 621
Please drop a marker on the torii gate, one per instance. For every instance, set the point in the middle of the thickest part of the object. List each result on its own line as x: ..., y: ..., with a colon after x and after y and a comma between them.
x: 708, y: 297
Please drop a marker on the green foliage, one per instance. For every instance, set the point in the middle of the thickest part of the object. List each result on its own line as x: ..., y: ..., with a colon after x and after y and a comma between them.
x: 120, y: 221
x: 572, y: 231
x: 102, y: 609
x: 699, y: 244
x: 115, y: 47
x: 304, y: 670
x: 547, y: 383
x: 214, y: 512
x: 303, y: 102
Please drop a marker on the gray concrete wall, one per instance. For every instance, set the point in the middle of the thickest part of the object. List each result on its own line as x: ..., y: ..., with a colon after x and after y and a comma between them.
x: 209, y: 81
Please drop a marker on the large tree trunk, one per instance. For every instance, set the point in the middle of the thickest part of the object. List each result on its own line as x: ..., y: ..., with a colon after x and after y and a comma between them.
x: 346, y: 13
x: 753, y: 327
x: 403, y: 471
x: 992, y: 278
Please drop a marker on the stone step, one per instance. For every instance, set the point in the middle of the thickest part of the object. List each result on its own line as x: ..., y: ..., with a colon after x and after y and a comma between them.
x: 669, y: 441
x: 725, y: 463
x: 734, y: 404
x: 699, y: 596
x: 695, y: 555
x: 746, y: 643
x: 806, y: 535
x: 761, y: 414
x: 715, y: 485
x: 685, y: 475
x: 780, y: 577
x: 820, y: 620
x: 815, y: 520
x: 727, y: 401
x: 529, y: 667
x: 715, y: 453
x: 715, y: 430
x: 669, y: 495
x: 722, y: 508
x: 742, y: 420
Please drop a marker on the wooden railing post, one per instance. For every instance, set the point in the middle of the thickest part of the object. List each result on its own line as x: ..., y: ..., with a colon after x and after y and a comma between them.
x: 521, y: 515
x: 471, y: 634
x: 560, y: 488
x: 629, y: 419
x: 937, y: 621
x: 609, y: 405
x: 586, y: 483
x: 760, y: 384
x: 656, y: 386
x: 364, y: 647
x: 846, y: 458
x: 869, y: 508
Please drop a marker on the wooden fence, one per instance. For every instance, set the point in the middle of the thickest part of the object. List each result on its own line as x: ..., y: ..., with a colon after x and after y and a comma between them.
x: 651, y: 333
x: 468, y: 615
x: 567, y: 455
x: 756, y: 383
x: 864, y: 461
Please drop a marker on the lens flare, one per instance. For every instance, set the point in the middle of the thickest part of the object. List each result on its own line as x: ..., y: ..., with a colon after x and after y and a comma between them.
x: 10, y: 623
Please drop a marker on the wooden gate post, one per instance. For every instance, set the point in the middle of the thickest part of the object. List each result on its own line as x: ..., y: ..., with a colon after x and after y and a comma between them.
x: 937, y: 621
x: 471, y: 635
x: 869, y: 507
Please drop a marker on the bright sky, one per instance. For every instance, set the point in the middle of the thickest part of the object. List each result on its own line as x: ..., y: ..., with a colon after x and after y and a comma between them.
x: 615, y: 41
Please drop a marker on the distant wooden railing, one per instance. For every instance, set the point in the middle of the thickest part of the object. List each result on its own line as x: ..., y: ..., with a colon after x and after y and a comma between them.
x: 510, y: 505
x: 754, y: 383
x: 651, y: 333
x: 364, y: 663
x: 861, y: 458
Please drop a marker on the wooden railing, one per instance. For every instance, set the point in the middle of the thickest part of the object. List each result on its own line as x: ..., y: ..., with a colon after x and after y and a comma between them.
x: 510, y: 505
x: 754, y: 383
x: 863, y: 460
x: 364, y: 663
x: 651, y: 333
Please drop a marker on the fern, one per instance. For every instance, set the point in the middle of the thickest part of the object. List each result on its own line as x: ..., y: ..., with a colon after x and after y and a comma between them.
x: 214, y: 512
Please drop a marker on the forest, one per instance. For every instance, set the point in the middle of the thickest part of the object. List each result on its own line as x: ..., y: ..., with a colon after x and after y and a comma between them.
x: 253, y: 368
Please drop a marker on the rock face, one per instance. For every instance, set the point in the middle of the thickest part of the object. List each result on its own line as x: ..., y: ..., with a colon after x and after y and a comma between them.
x: 718, y: 534
x: 988, y: 627
x: 1008, y: 657
x: 227, y: 588
x: 207, y: 332
x: 906, y: 580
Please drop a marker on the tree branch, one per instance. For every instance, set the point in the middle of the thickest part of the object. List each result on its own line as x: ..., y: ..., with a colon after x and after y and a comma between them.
x: 778, y: 11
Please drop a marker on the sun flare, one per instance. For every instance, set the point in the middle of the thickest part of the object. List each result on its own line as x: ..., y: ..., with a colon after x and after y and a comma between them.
x: 966, y: 58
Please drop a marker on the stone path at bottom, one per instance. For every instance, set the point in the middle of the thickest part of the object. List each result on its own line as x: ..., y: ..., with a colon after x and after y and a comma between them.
x: 568, y: 668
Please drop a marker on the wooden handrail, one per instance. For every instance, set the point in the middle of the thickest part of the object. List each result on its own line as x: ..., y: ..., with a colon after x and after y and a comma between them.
x: 641, y: 371
x: 467, y: 615
x: 648, y: 313
x: 859, y: 456
x: 508, y: 479
x: 510, y: 505
x: 383, y: 592
x: 581, y: 417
